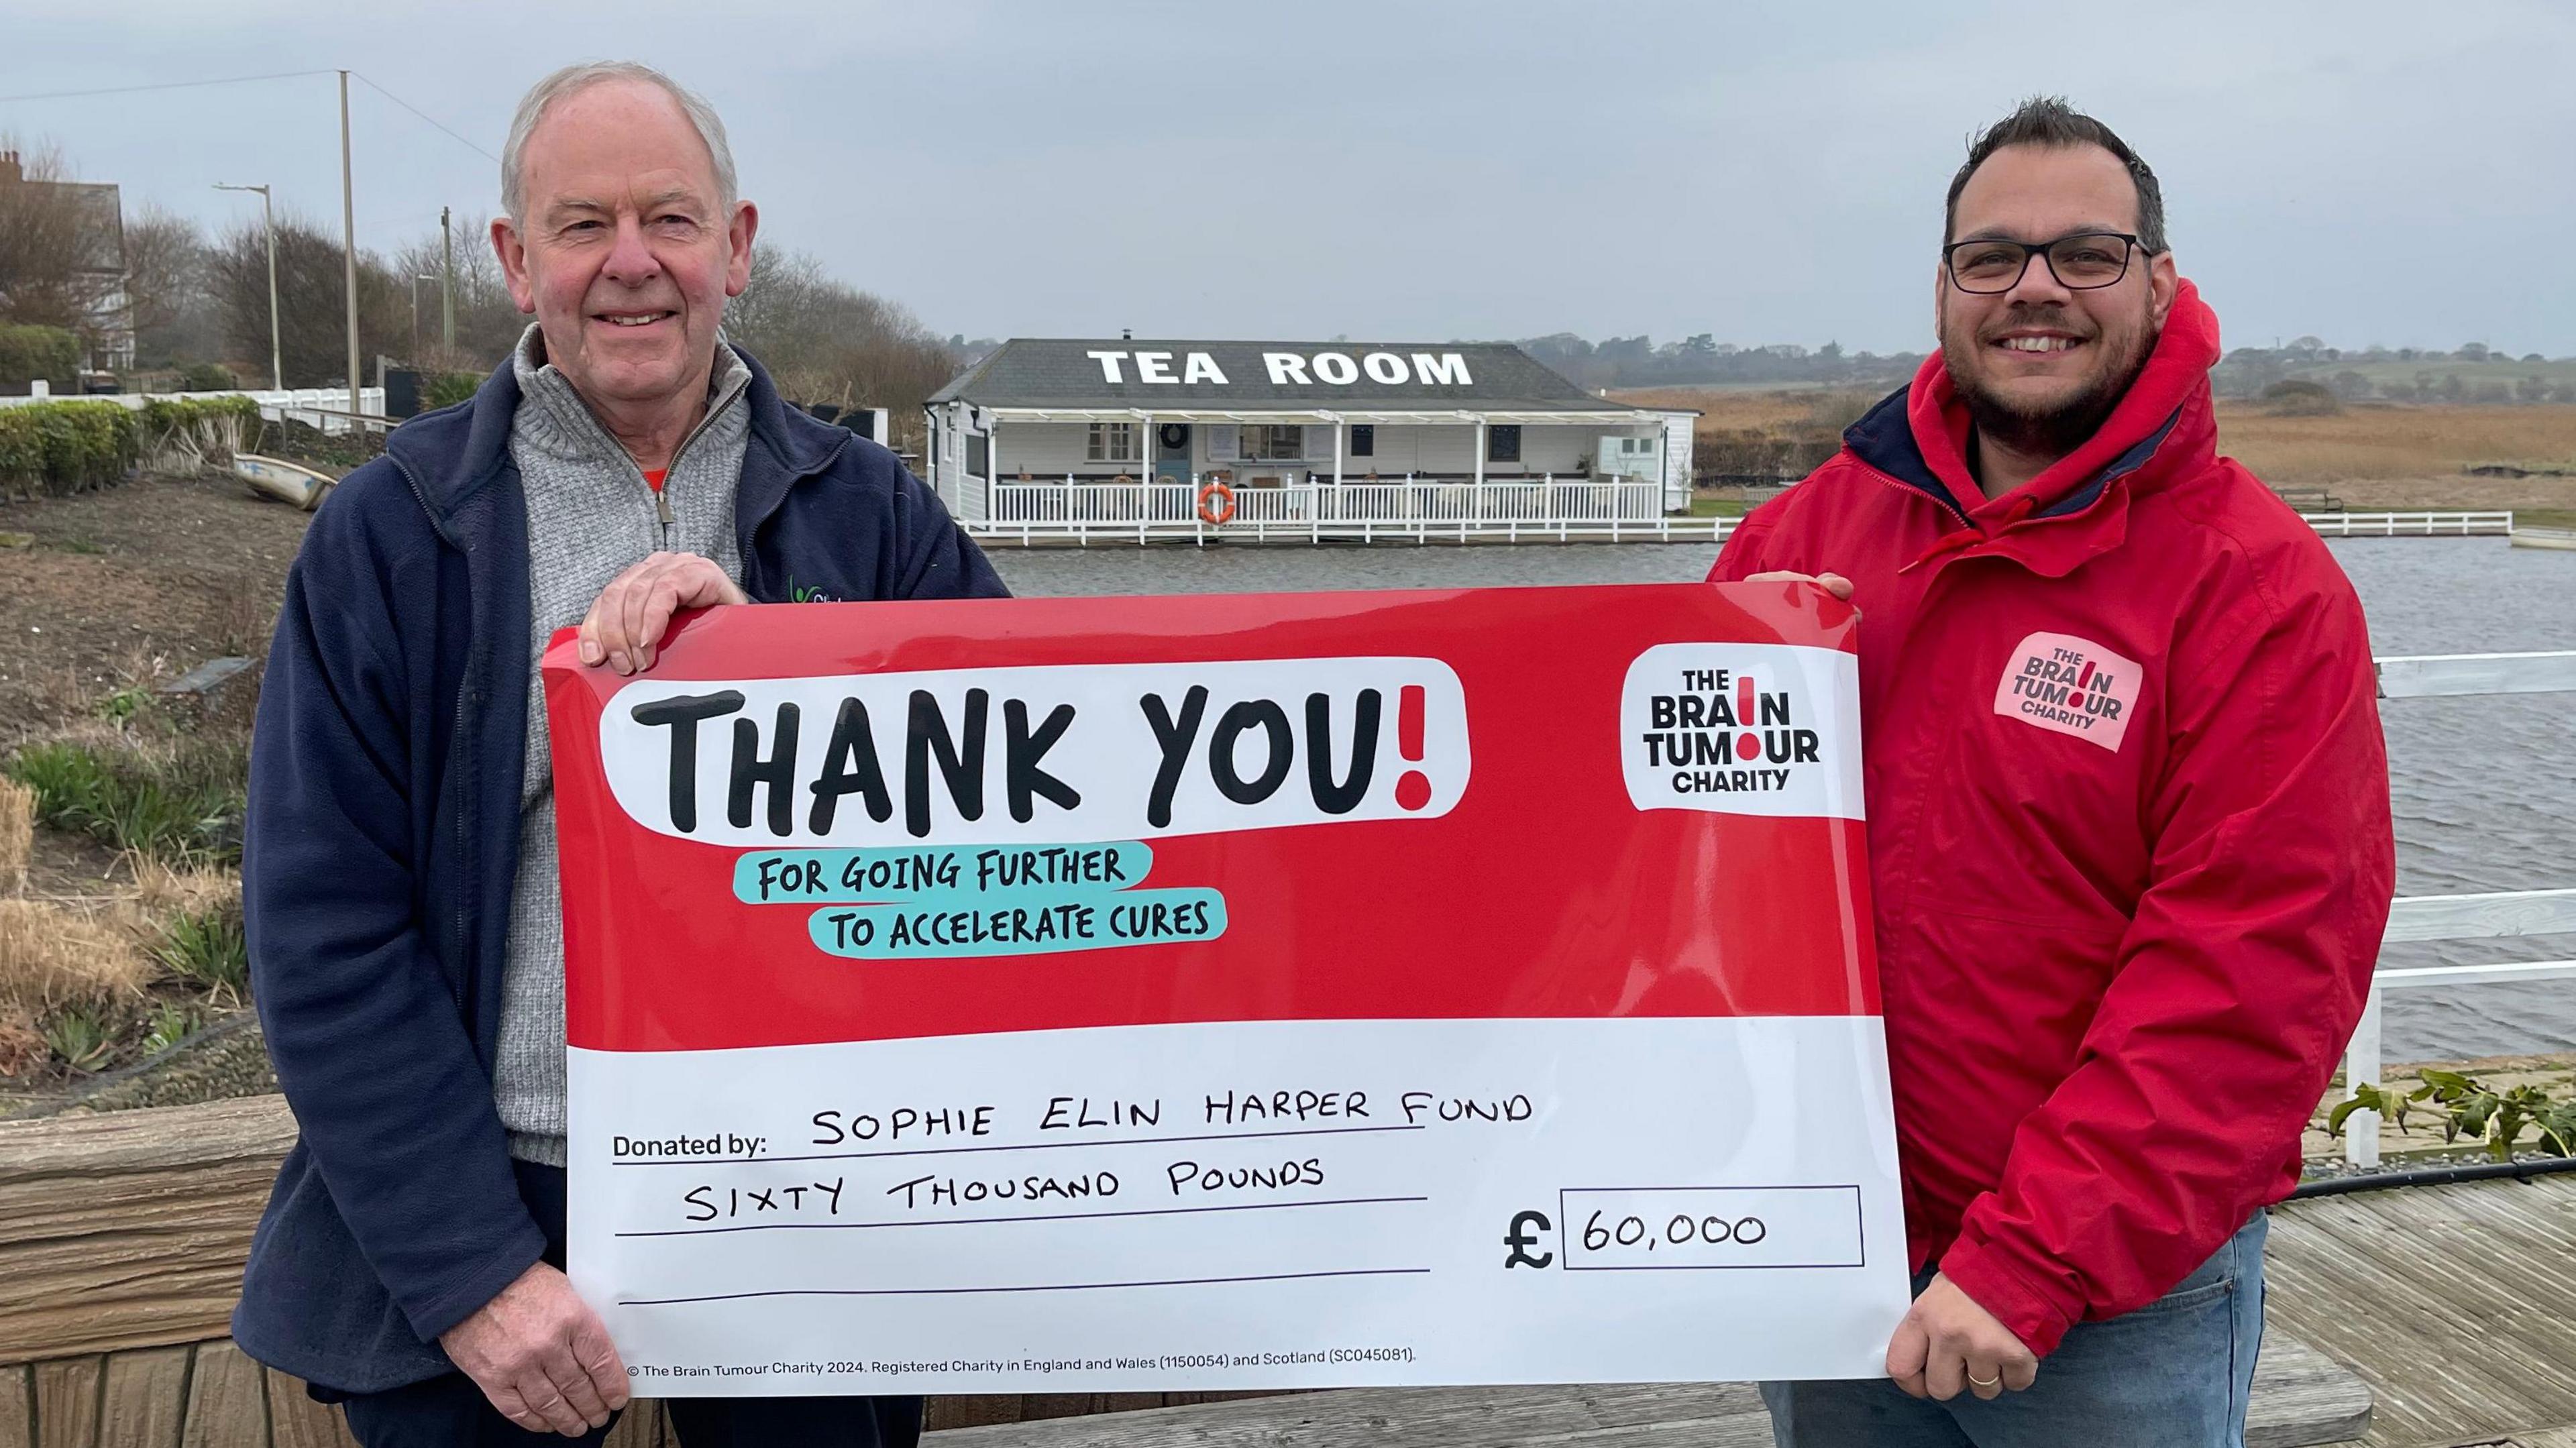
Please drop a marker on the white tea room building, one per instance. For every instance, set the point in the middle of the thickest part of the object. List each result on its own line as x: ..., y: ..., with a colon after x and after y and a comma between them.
x: 1278, y: 436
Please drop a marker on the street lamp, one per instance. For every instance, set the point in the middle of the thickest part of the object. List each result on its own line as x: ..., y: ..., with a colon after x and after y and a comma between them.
x: 417, y: 279
x: 268, y: 217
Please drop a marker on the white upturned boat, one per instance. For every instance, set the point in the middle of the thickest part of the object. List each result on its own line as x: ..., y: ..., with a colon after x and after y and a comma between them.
x: 287, y: 482
x: 2563, y: 539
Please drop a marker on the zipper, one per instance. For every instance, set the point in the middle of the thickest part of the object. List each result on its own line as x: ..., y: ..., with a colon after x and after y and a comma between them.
x: 2106, y: 482
x: 456, y: 737
x: 662, y: 494
x: 1914, y: 492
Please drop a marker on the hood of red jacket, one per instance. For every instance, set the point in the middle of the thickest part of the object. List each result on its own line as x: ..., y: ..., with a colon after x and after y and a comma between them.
x: 2163, y: 427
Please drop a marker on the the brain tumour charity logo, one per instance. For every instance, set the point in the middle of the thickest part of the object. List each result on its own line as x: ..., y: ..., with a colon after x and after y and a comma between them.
x: 2071, y: 686
x: 1708, y: 726
x: 1738, y: 729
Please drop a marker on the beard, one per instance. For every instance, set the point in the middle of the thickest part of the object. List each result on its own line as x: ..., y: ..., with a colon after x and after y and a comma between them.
x: 2061, y: 426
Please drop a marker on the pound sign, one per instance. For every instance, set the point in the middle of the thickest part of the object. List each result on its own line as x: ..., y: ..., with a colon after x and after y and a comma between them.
x: 1524, y: 1235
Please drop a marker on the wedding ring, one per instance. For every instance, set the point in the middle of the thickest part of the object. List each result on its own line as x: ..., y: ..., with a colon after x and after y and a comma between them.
x: 1996, y: 1381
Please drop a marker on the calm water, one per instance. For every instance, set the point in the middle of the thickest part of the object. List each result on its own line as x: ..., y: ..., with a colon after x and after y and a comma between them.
x: 2485, y: 787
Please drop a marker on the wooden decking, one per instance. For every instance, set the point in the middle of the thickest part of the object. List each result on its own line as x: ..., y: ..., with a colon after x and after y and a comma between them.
x: 2456, y: 1304
x: 2299, y: 1399
x: 122, y: 1237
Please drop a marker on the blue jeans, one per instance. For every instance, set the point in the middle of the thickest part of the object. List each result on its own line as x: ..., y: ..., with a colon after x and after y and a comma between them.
x: 2173, y: 1374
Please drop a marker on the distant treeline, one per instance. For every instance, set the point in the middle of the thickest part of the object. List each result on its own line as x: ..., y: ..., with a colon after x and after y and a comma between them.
x: 1705, y: 361
x: 2471, y: 373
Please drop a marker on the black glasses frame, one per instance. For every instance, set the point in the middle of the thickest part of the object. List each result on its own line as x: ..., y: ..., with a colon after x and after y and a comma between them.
x: 1950, y: 260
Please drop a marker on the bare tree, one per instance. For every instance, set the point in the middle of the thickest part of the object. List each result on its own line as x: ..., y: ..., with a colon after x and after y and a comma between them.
x: 488, y: 323
x: 822, y: 340
x: 825, y: 341
x: 309, y: 295
x: 175, y: 317
x: 59, y: 250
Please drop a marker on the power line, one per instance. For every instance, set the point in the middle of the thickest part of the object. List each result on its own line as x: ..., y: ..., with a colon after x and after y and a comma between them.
x: 120, y: 90
x: 426, y: 116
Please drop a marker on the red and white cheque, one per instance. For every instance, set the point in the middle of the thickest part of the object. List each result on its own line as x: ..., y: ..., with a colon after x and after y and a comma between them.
x: 1228, y: 992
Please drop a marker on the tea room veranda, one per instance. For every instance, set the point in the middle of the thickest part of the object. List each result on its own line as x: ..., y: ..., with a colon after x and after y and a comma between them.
x: 1080, y: 437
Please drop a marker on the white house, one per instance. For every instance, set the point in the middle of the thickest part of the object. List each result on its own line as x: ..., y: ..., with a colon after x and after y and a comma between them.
x: 1291, y: 433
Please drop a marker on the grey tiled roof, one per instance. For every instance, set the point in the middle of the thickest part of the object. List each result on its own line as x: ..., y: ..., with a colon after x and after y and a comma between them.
x: 1059, y: 372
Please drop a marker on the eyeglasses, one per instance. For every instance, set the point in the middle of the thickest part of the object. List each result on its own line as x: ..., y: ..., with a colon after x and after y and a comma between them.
x: 2082, y: 262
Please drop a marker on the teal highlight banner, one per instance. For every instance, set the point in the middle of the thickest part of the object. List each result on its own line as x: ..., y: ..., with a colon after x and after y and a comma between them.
x: 931, y: 872
x: 965, y: 924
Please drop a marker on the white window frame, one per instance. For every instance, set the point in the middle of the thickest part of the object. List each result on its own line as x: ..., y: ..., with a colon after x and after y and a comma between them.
x: 1112, y: 442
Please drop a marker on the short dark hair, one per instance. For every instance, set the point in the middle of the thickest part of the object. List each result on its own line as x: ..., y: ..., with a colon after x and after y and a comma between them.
x: 2050, y: 121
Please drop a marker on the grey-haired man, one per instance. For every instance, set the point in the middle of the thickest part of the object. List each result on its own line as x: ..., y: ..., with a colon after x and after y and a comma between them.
x: 399, y: 871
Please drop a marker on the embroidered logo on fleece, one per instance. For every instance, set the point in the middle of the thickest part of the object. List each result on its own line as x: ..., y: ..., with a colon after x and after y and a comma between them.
x: 2069, y: 685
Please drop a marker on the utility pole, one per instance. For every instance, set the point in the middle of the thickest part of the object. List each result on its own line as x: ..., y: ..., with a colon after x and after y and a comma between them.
x: 268, y: 218
x: 446, y: 286
x: 349, y: 245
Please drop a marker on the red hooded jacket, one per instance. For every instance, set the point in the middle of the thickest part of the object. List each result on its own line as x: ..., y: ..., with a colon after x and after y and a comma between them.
x: 2128, y: 827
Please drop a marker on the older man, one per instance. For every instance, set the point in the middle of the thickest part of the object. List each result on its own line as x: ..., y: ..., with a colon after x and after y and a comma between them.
x: 407, y: 951
x: 2128, y: 816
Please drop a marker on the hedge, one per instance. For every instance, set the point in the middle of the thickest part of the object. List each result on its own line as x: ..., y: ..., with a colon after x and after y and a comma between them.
x: 28, y: 353
x: 183, y: 434
x: 66, y: 447
x: 169, y: 414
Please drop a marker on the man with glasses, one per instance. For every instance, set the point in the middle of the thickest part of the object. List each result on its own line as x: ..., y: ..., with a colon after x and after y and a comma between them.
x: 2128, y: 816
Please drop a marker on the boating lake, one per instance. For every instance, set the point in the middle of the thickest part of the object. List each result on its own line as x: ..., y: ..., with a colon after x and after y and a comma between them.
x: 2485, y: 787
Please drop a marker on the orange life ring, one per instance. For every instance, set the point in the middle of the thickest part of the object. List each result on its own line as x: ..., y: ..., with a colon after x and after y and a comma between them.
x: 1216, y: 504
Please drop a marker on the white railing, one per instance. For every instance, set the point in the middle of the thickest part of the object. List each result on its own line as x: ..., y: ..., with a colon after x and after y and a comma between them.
x: 1540, y: 508
x: 325, y: 409
x: 2497, y: 916
x: 2437, y: 523
x: 2433, y: 675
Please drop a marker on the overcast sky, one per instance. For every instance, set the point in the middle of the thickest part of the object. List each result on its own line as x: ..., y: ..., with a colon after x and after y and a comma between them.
x: 2401, y: 173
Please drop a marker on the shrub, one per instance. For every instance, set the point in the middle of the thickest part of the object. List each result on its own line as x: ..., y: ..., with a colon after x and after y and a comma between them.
x: 79, y: 1036
x: 1737, y: 455
x: 28, y: 353
x: 172, y: 1022
x: 207, y: 377
x: 2301, y: 399
x: 446, y: 389
x: 180, y: 805
x: 1834, y: 412
x: 60, y: 448
x: 210, y: 951
x: 184, y: 434
x: 67, y: 781
x: 166, y: 414
x: 2470, y: 1107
